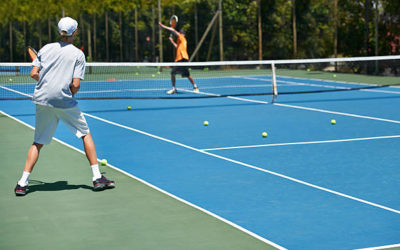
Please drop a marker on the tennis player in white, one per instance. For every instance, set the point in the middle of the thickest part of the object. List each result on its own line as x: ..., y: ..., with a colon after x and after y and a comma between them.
x: 59, y: 68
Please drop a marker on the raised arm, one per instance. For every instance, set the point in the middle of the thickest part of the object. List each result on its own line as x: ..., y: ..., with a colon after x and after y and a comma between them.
x: 169, y: 28
x: 35, y: 73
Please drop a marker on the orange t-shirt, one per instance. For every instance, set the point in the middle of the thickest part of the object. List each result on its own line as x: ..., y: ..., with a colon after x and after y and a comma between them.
x: 181, y: 48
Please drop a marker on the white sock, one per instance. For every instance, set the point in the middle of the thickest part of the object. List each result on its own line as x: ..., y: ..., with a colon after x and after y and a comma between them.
x: 96, y: 172
x: 24, y: 179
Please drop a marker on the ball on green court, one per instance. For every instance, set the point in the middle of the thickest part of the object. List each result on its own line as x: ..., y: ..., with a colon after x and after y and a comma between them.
x: 334, y: 75
x: 264, y: 134
x: 129, y: 108
x: 158, y: 72
x: 137, y: 73
x: 103, y: 162
x: 205, y: 123
x: 10, y: 79
x: 153, y: 75
x: 333, y: 121
x: 308, y: 70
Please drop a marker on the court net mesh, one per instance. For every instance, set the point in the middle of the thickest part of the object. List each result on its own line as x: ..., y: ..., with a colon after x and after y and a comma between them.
x: 215, y: 79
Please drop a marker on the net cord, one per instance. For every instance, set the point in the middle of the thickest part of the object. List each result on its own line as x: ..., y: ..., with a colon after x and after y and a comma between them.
x: 228, y: 63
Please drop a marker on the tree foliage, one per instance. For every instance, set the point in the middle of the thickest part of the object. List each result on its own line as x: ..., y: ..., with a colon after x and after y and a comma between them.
x: 23, y: 23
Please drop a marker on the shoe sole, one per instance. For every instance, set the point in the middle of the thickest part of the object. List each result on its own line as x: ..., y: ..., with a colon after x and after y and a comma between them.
x: 101, y: 187
x: 19, y: 193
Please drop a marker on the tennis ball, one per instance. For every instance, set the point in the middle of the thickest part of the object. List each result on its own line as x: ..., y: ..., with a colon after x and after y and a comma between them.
x: 137, y: 73
x: 103, y: 162
x: 129, y: 108
x: 205, y: 69
x: 205, y: 123
x: 10, y: 79
x: 158, y: 72
x: 264, y: 134
x: 334, y: 75
x: 153, y: 75
x: 333, y: 122
x: 308, y: 70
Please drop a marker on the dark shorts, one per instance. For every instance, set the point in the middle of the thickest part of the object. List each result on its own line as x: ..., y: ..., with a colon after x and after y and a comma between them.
x: 183, y: 70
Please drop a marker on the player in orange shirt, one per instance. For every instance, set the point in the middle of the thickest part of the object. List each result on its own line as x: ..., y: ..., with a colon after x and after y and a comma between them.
x: 181, y: 56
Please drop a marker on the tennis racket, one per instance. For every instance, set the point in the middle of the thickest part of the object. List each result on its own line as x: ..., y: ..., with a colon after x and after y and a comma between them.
x: 173, y: 21
x: 31, y: 52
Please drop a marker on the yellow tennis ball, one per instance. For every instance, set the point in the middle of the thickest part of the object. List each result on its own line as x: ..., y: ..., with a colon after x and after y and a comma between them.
x: 137, y: 73
x: 264, y: 134
x: 10, y: 79
x: 333, y: 122
x: 103, y: 162
x: 129, y: 108
x: 334, y: 75
x: 153, y: 75
x: 158, y: 72
x: 205, y: 123
x: 308, y: 70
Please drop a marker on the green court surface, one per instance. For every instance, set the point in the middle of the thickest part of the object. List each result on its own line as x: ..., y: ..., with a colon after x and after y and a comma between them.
x: 62, y: 212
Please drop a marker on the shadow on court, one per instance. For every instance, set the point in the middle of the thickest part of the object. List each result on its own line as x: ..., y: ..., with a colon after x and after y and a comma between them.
x: 54, y: 186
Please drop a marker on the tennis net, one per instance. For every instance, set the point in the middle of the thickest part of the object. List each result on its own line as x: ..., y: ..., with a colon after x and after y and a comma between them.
x: 215, y: 79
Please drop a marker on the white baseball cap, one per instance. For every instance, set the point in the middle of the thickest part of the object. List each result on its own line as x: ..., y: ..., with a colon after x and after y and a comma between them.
x: 68, y: 25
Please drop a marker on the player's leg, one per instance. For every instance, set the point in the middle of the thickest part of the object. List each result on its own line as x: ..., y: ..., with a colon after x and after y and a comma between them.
x: 186, y: 73
x: 90, y: 149
x: 195, y: 88
x: 76, y: 122
x: 33, y: 156
x: 45, y: 127
x: 173, y: 81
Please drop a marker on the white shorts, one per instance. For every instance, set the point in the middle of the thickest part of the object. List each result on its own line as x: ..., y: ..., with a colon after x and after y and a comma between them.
x: 47, y: 121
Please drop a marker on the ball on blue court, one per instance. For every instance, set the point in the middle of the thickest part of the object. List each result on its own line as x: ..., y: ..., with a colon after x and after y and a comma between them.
x: 264, y: 134
x: 205, y: 123
x: 129, y: 108
x: 333, y: 121
x: 103, y: 162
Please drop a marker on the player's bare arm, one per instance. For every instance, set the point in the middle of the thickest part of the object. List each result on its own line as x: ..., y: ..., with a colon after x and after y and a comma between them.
x: 173, y: 42
x: 35, y: 73
x: 169, y: 28
x: 75, y: 85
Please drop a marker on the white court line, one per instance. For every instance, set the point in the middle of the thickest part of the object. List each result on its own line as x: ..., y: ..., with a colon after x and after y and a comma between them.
x: 380, y: 247
x: 157, y: 188
x: 317, y: 110
x: 15, y: 91
x: 337, y: 113
x: 247, y: 165
x: 303, y: 143
x: 323, y: 86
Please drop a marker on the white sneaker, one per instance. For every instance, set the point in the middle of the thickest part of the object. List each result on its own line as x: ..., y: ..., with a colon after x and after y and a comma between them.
x: 171, y: 91
x: 196, y: 90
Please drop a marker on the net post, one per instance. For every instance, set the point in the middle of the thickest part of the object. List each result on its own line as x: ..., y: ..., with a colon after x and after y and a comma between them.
x: 274, y: 87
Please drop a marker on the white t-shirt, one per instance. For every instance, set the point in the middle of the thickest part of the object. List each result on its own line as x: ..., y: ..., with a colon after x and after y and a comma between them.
x: 59, y: 63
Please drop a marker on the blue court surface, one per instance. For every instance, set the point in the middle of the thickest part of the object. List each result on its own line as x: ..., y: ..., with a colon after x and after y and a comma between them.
x: 307, y: 185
